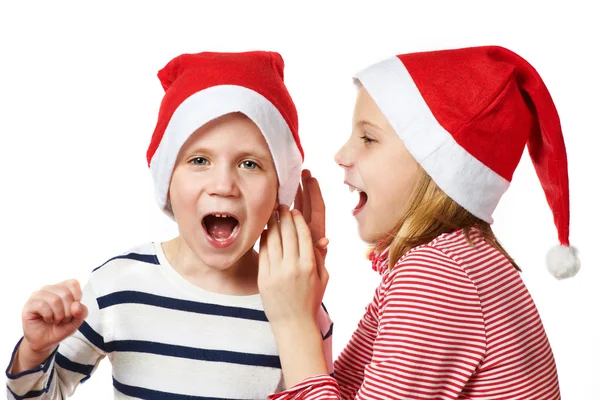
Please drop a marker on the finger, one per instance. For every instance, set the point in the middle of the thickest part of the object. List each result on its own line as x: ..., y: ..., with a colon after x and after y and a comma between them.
x: 38, y: 308
x: 67, y: 328
x: 298, y: 199
x: 56, y: 304
x: 264, y: 267
x: 306, y: 201
x: 275, y: 252
x: 317, y: 206
x: 73, y: 286
x: 321, y: 245
x: 305, y: 245
x: 66, y: 297
x: 289, y: 238
x: 79, y: 312
x: 321, y: 270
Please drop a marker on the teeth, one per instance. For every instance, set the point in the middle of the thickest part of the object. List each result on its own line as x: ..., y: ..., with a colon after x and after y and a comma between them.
x: 220, y: 215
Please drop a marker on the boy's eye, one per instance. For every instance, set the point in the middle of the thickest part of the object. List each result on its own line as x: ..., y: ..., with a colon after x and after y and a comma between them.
x: 366, y: 139
x: 199, y: 161
x: 249, y: 164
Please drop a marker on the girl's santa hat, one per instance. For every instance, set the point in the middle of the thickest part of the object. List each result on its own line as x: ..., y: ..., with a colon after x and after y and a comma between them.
x: 204, y: 86
x: 466, y: 116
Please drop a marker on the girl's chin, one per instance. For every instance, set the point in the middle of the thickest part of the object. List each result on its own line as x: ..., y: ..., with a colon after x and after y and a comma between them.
x: 368, y: 236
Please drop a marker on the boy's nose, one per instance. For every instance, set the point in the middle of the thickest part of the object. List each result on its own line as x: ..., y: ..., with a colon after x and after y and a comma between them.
x: 224, y: 184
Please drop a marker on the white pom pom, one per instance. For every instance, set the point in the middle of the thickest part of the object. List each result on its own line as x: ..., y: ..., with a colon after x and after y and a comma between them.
x: 563, y: 261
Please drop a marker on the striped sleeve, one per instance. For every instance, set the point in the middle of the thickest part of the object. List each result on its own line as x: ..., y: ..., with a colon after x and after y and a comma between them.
x: 430, y: 336
x: 350, y: 365
x: 75, y: 360
x: 326, y: 328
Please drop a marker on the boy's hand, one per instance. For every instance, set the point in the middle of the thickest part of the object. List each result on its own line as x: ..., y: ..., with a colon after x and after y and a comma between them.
x: 50, y: 315
x: 309, y: 201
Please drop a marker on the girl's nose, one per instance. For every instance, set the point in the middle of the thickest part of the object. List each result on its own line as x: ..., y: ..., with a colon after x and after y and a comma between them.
x: 343, y: 157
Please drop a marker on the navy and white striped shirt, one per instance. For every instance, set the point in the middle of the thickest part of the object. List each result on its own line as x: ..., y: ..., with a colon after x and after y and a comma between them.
x: 165, y: 337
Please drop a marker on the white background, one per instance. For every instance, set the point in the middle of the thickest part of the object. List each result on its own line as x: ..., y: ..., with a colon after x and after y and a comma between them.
x: 79, y: 98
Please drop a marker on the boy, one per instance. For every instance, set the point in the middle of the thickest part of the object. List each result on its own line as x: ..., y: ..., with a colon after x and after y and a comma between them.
x: 183, y: 319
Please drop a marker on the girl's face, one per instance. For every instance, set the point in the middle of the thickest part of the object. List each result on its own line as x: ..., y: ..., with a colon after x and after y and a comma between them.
x: 379, y: 168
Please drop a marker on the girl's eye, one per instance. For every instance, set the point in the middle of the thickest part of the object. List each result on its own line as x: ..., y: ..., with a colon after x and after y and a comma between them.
x: 366, y: 139
x: 199, y: 161
x: 249, y: 164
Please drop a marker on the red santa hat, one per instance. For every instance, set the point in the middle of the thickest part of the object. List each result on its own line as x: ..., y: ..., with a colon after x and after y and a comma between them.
x: 204, y: 86
x: 466, y: 115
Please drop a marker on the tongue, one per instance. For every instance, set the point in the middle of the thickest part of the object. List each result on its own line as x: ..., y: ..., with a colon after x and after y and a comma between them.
x: 218, y: 227
x: 362, y: 200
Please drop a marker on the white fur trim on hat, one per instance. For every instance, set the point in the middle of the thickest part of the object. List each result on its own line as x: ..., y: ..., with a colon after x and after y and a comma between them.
x: 206, y: 105
x: 461, y: 176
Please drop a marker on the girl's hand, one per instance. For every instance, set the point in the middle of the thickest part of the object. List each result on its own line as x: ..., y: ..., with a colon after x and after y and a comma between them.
x: 309, y: 201
x: 292, y: 279
x: 292, y: 275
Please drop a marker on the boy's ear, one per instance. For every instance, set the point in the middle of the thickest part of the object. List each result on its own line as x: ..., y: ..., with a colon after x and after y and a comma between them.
x: 168, y: 202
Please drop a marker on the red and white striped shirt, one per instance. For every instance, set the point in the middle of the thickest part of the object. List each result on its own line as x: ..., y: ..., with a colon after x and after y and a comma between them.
x: 450, y: 321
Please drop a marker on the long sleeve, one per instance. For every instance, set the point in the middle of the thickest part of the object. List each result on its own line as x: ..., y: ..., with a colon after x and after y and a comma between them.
x: 74, y: 361
x: 350, y: 365
x: 326, y: 328
x: 430, y: 337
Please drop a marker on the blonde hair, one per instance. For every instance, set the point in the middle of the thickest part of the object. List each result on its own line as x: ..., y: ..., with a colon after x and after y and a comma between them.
x: 430, y: 213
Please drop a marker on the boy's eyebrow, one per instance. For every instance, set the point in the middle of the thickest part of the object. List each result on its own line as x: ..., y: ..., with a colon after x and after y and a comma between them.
x: 241, y: 154
x: 259, y: 154
x: 195, y: 150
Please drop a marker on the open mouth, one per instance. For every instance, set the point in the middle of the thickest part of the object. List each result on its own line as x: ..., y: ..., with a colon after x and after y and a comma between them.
x: 221, y: 228
x: 362, y: 199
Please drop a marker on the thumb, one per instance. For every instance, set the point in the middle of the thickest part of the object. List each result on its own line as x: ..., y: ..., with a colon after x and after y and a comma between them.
x: 79, y: 312
x: 63, y: 330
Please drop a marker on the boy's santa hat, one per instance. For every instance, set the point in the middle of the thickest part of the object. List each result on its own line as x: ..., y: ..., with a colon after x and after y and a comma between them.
x: 204, y: 86
x: 466, y: 115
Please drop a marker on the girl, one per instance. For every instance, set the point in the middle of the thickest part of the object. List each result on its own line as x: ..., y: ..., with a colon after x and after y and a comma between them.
x: 436, y: 139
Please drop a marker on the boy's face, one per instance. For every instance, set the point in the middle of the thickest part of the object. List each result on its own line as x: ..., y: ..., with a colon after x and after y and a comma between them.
x: 223, y: 189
